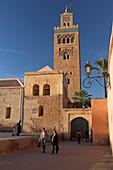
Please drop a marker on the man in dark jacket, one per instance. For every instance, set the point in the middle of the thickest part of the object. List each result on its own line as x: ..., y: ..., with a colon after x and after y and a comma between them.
x: 19, y: 128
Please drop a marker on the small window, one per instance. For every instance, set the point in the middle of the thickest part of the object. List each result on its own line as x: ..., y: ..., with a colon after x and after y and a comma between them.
x: 70, y: 72
x: 8, y: 112
x: 65, y: 24
x: 68, y: 57
x: 68, y: 40
x: 64, y: 57
x: 72, y: 40
x: 46, y: 89
x: 68, y: 24
x: 40, y: 110
x: 35, y: 90
x: 68, y: 81
x: 63, y: 40
x: 59, y: 41
x: 59, y: 49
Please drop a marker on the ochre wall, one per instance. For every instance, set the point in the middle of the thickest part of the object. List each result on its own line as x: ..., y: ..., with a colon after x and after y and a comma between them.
x: 52, y: 104
x: 9, y: 97
x: 100, y: 121
x: 52, y: 115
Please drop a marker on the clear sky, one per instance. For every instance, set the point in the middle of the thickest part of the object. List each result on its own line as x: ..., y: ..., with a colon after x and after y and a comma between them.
x: 27, y: 34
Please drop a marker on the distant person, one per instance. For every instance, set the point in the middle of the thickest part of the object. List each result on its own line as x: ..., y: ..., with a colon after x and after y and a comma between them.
x: 15, y: 129
x: 55, y: 142
x: 79, y: 136
x: 19, y: 128
x: 86, y: 135
x: 43, y: 138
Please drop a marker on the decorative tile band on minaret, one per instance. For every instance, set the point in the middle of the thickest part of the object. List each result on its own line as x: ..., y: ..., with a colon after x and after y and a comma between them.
x: 58, y: 31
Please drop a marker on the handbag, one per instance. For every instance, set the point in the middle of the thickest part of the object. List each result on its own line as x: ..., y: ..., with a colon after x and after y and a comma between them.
x: 38, y: 145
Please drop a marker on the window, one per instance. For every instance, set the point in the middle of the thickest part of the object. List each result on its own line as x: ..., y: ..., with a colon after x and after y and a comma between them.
x: 64, y: 24
x: 64, y: 57
x: 68, y: 57
x: 8, y: 112
x: 59, y: 49
x: 68, y: 81
x: 40, y: 110
x: 68, y: 24
x: 59, y: 41
x: 46, y: 89
x: 35, y: 90
x: 70, y: 72
x: 68, y: 40
x: 63, y: 40
x: 72, y: 40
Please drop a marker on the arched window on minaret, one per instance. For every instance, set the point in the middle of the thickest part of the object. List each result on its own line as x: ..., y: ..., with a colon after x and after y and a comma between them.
x: 64, y: 57
x: 59, y: 41
x: 72, y: 40
x: 63, y: 40
x: 64, y: 24
x: 68, y: 24
x: 68, y: 40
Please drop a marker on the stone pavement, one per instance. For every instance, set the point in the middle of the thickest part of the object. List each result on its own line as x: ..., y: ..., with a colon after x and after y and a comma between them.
x: 72, y: 156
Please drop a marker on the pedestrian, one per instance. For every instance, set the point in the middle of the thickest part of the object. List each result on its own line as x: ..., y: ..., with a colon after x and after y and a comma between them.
x: 19, y: 128
x: 79, y: 136
x: 15, y: 129
x: 86, y: 135
x: 55, y: 142
x: 43, y: 138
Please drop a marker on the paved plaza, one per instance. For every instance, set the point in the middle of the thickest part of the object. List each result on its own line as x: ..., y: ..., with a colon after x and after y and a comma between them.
x: 72, y: 156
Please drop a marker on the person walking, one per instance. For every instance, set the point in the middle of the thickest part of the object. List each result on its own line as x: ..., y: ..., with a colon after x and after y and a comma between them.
x: 55, y: 142
x: 43, y: 137
x: 15, y: 129
x: 19, y: 128
x: 79, y: 136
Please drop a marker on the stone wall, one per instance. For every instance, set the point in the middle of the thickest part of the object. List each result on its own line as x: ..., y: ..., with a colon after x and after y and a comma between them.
x: 9, y: 97
x: 52, y: 115
x: 72, y: 113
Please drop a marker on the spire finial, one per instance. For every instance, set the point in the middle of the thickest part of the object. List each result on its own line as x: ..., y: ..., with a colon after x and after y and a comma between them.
x: 66, y: 9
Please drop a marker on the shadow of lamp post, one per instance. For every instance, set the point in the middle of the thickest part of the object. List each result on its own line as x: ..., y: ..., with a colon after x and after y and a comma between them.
x: 87, y: 82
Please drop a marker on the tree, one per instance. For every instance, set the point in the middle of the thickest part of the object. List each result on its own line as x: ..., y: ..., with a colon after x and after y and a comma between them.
x: 103, y: 69
x: 81, y: 98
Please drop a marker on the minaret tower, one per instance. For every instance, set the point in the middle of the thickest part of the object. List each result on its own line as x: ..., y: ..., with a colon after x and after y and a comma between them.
x: 67, y: 51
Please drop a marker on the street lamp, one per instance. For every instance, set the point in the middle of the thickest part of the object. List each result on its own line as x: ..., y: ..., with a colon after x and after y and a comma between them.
x: 87, y: 82
x: 88, y: 68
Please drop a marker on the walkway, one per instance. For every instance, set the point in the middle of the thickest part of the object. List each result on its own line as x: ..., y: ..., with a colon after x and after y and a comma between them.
x: 71, y: 157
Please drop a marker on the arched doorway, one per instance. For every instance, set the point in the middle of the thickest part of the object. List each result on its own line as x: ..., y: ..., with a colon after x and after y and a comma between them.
x: 79, y: 124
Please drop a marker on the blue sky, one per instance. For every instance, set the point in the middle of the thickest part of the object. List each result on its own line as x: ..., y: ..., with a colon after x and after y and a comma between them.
x: 27, y: 34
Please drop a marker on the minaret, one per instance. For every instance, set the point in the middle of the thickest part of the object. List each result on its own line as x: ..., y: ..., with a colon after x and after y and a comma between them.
x: 67, y: 51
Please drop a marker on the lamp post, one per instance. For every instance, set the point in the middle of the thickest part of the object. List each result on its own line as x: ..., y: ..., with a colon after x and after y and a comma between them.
x: 89, y: 79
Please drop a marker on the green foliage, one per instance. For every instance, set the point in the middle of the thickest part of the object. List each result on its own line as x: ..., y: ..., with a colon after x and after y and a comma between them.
x: 81, y: 97
x: 102, y: 64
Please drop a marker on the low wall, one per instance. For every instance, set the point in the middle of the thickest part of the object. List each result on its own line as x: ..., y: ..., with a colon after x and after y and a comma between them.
x: 100, y: 122
x: 13, y: 145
